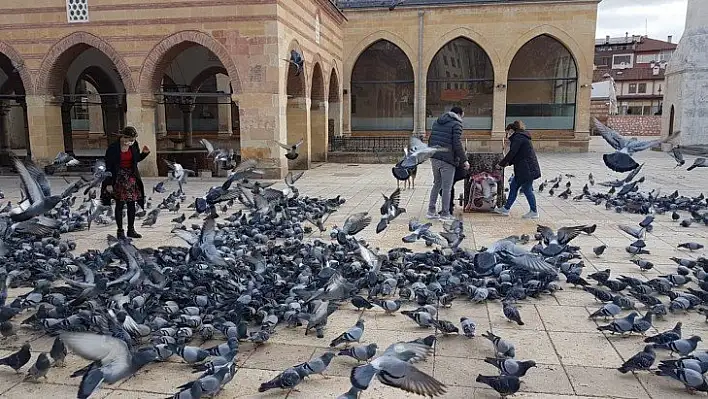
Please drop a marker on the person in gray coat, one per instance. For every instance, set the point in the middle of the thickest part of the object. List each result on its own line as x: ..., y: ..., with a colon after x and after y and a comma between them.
x: 447, y: 133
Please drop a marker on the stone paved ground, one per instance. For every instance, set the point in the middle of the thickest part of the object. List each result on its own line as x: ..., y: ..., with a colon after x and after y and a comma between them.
x: 574, y: 359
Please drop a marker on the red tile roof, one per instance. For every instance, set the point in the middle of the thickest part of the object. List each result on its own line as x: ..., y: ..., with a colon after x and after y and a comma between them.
x: 636, y: 73
x: 647, y: 44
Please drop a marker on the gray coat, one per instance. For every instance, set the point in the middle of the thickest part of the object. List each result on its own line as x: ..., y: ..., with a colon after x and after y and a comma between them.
x: 447, y: 133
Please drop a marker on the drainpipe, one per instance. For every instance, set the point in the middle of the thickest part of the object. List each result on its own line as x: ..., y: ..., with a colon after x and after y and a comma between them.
x: 420, y: 107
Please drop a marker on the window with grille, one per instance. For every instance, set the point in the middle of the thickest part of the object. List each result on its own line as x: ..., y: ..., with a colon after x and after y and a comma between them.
x: 642, y: 88
x: 632, y: 88
x: 77, y: 11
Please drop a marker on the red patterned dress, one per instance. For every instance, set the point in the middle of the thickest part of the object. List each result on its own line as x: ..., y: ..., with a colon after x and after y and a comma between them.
x: 126, y: 187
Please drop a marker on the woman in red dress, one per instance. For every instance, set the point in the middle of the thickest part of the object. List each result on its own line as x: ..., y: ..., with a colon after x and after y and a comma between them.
x: 125, y: 185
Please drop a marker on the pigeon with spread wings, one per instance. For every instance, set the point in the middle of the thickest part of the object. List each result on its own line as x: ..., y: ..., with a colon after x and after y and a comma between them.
x: 291, y: 153
x: 621, y: 160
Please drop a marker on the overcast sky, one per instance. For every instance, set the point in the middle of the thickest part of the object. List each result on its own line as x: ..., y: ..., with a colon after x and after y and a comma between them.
x: 658, y: 18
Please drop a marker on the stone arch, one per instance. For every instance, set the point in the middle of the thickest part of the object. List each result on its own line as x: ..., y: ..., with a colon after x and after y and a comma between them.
x: 468, y: 81
x: 62, y: 54
x: 366, y: 42
x: 334, y: 86
x: 18, y: 63
x: 296, y: 85
x: 465, y: 33
x: 164, y: 52
x: 206, y: 74
x: 99, y: 79
x: 316, y: 61
x: 561, y: 36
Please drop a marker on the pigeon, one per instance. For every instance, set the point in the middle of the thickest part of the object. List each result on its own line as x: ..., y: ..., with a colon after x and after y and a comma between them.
x: 360, y: 302
x: 390, y: 210
x: 286, y: 380
x: 291, y: 150
x: 682, y: 346
x: 36, y: 190
x: 691, y: 246
x: 220, y: 155
x: 607, y: 310
x: 512, y: 313
x: 422, y: 318
x: 296, y: 61
x: 316, y: 365
x: 641, y: 361
x: 469, y: 327
x: 599, y: 250
x: 40, y: 368
x: 361, y: 353
x: 61, y: 161
x: 389, y: 306
x: 667, y: 336
x: 643, y: 325
x: 620, y: 326
x: 351, y: 335
x: 516, y: 368
x: 677, y: 155
x: 58, y: 352
x: 505, y: 385
x: 178, y: 173
x: 419, y: 152
x: 698, y: 163
x: 501, y: 347
x: 621, y: 160
x: 7, y: 329
x: 393, y: 371
x: 693, y: 380
x: 394, y: 4
x: 18, y: 359
x: 445, y: 326
x: 112, y: 360
x: 685, y: 363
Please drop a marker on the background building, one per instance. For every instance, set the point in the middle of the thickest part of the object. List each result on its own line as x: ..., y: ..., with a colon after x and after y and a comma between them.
x: 75, y: 71
x: 637, y: 64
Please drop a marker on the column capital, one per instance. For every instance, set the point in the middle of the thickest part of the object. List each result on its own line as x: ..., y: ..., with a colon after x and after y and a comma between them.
x: 187, y: 107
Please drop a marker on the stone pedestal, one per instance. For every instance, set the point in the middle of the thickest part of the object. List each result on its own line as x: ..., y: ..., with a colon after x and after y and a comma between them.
x: 318, y: 117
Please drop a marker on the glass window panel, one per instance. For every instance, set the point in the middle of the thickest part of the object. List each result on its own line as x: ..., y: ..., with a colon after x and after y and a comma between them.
x: 382, y: 83
x: 468, y: 84
x: 642, y: 88
x: 632, y: 88
x: 542, y: 85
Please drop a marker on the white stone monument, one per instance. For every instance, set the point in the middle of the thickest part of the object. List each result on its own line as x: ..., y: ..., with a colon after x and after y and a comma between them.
x: 686, y: 98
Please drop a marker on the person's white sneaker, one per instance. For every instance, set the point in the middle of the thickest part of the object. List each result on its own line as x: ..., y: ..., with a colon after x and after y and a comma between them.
x: 432, y: 215
x: 530, y: 215
x: 447, y: 219
x: 501, y: 211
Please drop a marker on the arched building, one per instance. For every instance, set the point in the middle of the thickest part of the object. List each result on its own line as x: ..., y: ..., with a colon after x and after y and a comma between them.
x: 74, y: 74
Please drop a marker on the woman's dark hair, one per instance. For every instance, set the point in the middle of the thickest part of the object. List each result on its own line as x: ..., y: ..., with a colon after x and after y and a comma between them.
x: 510, y: 126
x: 518, y: 126
x: 129, y: 131
x: 457, y: 110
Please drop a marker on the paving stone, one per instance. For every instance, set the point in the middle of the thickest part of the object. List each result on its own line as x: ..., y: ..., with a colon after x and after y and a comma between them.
x: 605, y: 382
x: 580, y: 349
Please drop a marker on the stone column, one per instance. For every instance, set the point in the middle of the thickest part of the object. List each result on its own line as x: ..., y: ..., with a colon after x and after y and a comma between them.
x: 141, y: 115
x: 419, y: 106
x: 95, y: 111
x: 262, y: 119
x: 5, y: 132
x: 225, y: 123
x: 498, y: 114
x: 66, y: 128
x: 318, y: 118
x: 4, y: 125
x: 112, y: 115
x: 298, y: 127
x: 187, y: 108
x: 45, y: 127
x: 346, y: 113
x: 25, y: 127
x: 161, y: 117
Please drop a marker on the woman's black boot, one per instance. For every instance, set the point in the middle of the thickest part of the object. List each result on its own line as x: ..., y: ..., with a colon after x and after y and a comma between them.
x: 133, y: 234
x: 120, y: 234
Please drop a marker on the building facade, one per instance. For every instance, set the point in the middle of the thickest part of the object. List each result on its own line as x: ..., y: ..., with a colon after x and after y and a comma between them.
x: 75, y: 71
x: 637, y: 65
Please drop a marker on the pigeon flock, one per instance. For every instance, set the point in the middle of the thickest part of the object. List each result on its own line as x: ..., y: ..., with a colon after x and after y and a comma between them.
x: 249, y: 270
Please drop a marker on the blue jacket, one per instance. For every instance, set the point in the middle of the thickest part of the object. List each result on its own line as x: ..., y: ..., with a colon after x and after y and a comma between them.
x: 447, y: 133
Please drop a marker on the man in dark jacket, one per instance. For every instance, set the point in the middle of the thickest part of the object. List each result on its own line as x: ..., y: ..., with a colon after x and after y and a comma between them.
x: 446, y: 133
x: 526, y: 169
